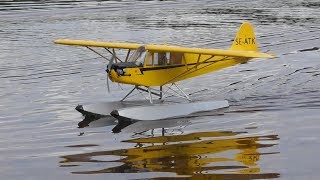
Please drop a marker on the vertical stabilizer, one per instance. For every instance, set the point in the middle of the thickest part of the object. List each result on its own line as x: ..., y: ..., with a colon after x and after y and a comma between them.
x: 245, y: 39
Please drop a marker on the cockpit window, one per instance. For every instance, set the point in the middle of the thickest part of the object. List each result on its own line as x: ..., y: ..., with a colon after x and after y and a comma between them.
x: 139, y: 56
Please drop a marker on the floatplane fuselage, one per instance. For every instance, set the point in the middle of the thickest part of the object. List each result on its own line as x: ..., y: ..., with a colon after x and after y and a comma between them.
x: 158, y: 65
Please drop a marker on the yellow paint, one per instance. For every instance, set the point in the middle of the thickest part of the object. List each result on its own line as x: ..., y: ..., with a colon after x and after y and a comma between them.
x: 187, y: 154
x: 170, y: 75
x: 187, y: 137
x: 97, y: 44
x: 245, y: 39
x: 243, y: 49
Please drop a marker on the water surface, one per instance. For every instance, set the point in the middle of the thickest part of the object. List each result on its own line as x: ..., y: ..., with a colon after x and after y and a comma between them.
x: 270, y: 131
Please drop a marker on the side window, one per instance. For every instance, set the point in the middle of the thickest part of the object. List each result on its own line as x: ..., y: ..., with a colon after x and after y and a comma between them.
x: 168, y: 57
x: 155, y: 59
x: 162, y: 59
x: 149, y: 59
x: 176, y: 58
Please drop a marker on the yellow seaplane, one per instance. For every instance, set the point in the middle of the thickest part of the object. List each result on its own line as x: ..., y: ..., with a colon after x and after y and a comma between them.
x: 147, y: 65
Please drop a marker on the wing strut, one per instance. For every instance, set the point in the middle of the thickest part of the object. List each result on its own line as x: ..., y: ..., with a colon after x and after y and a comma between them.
x: 113, y: 53
x: 98, y: 53
x: 127, y: 57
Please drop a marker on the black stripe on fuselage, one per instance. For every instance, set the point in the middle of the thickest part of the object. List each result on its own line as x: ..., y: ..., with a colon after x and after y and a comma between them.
x: 178, y: 65
x: 162, y: 67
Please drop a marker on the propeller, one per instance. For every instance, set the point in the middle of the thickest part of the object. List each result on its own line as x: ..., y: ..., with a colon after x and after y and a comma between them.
x: 109, y: 68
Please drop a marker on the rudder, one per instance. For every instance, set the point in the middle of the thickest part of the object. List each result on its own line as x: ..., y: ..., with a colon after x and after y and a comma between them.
x: 245, y: 39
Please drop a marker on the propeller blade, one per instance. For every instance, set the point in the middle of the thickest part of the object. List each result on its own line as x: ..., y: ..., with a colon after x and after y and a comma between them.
x: 109, y: 68
x: 111, y: 60
x: 108, y: 85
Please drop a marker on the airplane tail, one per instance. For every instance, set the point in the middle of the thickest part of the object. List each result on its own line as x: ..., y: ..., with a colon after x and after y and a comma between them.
x: 245, y: 39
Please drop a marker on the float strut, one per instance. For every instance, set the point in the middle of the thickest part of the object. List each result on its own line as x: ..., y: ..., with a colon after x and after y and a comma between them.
x: 150, y: 95
x: 182, y: 91
x: 160, y: 97
x: 128, y: 94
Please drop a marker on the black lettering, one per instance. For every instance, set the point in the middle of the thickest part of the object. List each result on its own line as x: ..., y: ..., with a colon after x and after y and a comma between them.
x: 243, y: 41
x: 253, y: 40
x: 246, y: 41
x: 250, y: 158
x: 237, y: 41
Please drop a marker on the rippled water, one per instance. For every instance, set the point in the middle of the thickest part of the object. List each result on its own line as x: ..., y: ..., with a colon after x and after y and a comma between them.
x: 271, y: 129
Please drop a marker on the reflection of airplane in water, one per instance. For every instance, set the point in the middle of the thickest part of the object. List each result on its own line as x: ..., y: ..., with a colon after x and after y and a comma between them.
x: 217, y: 154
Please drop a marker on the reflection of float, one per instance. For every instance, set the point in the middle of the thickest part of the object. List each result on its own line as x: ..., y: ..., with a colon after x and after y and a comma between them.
x: 99, y: 114
x: 198, y: 155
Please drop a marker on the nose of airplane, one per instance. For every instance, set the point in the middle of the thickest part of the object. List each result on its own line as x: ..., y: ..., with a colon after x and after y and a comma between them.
x: 112, y: 75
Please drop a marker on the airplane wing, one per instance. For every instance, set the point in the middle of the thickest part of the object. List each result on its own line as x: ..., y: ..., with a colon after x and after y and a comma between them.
x: 98, y: 44
x: 166, y: 48
x: 213, y: 52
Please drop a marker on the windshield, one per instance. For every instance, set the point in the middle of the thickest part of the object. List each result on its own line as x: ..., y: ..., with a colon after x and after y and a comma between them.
x: 139, y: 55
